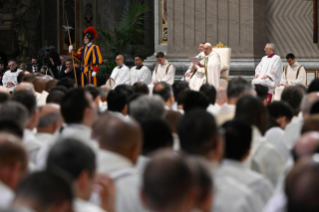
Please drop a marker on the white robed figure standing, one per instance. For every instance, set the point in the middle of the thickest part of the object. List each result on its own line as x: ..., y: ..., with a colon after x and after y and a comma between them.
x: 208, y: 70
x: 269, y: 71
x: 294, y: 74
x: 121, y: 73
x: 164, y: 71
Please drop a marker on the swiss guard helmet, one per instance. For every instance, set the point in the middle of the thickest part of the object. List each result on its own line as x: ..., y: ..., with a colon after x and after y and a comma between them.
x: 90, y: 33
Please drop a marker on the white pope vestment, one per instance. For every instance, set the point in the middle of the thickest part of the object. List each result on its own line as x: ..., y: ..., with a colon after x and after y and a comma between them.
x: 209, y: 74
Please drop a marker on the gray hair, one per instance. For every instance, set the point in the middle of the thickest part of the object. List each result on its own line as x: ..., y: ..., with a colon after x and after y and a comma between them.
x: 49, y: 119
x: 16, y: 112
x: 271, y: 46
x: 12, y: 61
x: 147, y: 107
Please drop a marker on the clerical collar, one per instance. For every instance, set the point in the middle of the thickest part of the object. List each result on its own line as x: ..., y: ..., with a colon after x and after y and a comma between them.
x: 15, y: 70
x: 139, y: 67
x: 119, y: 67
x: 270, y: 56
x: 89, y: 44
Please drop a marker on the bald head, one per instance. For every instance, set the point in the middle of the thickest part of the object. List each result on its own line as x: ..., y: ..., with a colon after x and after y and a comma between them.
x: 40, y: 83
x: 174, y: 182
x: 307, y: 103
x: 4, y: 90
x: 119, y: 60
x: 50, y: 84
x: 302, y: 187
x: 25, y: 86
x: 50, y: 118
x: 118, y: 135
x: 307, y: 145
x: 4, y: 95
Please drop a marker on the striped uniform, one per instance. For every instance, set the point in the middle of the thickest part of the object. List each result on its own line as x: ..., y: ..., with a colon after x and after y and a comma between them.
x: 91, y: 59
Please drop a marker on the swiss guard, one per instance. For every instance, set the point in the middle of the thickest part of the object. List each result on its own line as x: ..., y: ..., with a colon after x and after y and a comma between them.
x: 89, y: 56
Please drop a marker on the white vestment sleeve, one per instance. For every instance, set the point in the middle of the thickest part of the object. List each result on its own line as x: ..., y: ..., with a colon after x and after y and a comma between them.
x: 147, y: 76
x: 114, y: 74
x: 170, y: 76
x: 127, y: 80
x: 5, y: 79
x: 154, y: 77
x: 258, y: 68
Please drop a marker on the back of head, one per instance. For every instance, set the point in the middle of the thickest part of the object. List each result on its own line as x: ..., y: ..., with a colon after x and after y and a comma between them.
x: 11, y: 127
x: 51, y: 84
x: 12, y: 152
x: 262, y: 91
x: 68, y: 83
x: 314, y: 86
x: 141, y: 88
x: 195, y: 100
x: 293, y: 96
x: 252, y: 110
x: 315, y: 108
x: 71, y: 156
x: 39, y: 84
x: 44, y: 190
x: 156, y: 135
x: 29, y: 78
x: 20, y: 77
x: 204, y: 181
x: 16, y: 112
x: 198, y: 132
x: 147, y: 107
x: 4, y: 97
x: 118, y: 135
x: 307, y: 145
x: 55, y: 97
x: 237, y: 88
x: 49, y: 114
x: 116, y: 100
x: 27, y: 99
x: 25, y: 86
x: 210, y: 92
x: 167, y: 182
x: 307, y: 103
x: 73, y: 105
x: 94, y: 91
x: 280, y: 109
x: 164, y: 90
x: 238, y: 138
x: 178, y: 87
x: 302, y: 187
x: 127, y: 89
x: 310, y: 124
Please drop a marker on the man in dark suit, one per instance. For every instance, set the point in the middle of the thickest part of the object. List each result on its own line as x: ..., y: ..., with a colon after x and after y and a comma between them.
x: 60, y: 68
x: 35, y: 65
x: 69, y: 72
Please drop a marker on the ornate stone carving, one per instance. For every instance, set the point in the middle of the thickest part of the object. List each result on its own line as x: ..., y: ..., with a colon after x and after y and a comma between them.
x: 88, y: 15
x: 26, y: 24
x: 219, y: 45
x: 7, y: 41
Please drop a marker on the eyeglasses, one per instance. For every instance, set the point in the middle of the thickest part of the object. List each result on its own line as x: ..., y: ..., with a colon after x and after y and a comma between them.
x: 11, y: 65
